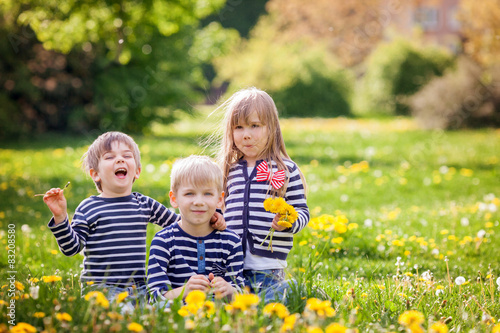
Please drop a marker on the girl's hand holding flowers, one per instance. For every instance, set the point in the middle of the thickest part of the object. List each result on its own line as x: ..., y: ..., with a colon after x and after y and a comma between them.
x: 284, y: 219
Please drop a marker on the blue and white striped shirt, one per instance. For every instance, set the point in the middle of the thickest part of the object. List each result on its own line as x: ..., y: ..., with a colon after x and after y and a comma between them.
x: 175, y: 256
x: 245, y: 213
x: 112, y: 232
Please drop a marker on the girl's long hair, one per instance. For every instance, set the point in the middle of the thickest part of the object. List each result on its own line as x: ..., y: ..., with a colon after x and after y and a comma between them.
x: 237, y: 110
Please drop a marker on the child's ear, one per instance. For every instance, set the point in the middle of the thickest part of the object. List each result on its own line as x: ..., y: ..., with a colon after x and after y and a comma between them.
x: 94, y: 175
x: 173, y: 200
x: 137, y: 172
x: 220, y: 203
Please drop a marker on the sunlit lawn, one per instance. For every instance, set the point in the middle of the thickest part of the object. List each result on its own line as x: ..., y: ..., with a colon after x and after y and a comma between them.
x: 398, y: 215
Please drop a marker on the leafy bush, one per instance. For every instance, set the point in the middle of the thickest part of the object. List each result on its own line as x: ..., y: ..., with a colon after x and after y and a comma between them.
x: 464, y: 97
x: 303, y: 80
x: 395, y: 71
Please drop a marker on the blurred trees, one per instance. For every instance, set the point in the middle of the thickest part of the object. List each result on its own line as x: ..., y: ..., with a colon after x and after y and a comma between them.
x: 481, y: 29
x: 350, y: 29
x: 103, y: 64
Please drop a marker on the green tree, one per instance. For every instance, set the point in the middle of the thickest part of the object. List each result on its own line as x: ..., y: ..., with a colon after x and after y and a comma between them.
x: 128, y: 63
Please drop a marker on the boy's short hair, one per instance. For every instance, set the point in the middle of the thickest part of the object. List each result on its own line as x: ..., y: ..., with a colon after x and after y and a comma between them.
x: 197, y: 171
x: 102, y: 145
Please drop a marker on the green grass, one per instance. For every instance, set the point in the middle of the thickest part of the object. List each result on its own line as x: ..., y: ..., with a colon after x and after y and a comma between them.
x: 422, y: 196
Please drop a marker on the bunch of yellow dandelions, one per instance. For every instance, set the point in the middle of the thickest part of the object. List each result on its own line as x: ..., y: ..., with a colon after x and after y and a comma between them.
x: 287, y: 216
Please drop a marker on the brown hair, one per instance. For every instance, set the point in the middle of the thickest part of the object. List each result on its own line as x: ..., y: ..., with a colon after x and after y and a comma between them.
x: 102, y: 145
x: 237, y: 111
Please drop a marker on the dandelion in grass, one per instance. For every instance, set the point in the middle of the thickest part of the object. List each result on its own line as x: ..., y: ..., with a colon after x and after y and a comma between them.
x: 321, y: 308
x: 335, y: 328
x: 23, y: 328
x: 496, y: 329
x: 64, y: 316
x: 51, y: 278
x: 39, y: 314
x: 276, y: 309
x: 135, y: 327
x: 438, y: 327
x: 289, y: 323
x: 459, y: 280
x: 121, y: 297
x: 411, y: 318
x: 99, y: 298
x: 287, y: 216
x: 244, y: 302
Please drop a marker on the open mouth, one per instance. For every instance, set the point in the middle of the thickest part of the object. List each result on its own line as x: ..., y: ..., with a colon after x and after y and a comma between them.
x: 121, y: 173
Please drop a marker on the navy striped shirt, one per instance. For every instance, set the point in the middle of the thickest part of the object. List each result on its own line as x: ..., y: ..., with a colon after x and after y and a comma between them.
x: 175, y: 256
x: 245, y: 213
x: 112, y: 232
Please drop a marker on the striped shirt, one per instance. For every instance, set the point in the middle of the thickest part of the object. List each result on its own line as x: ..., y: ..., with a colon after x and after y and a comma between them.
x: 112, y: 233
x: 175, y: 256
x: 245, y: 213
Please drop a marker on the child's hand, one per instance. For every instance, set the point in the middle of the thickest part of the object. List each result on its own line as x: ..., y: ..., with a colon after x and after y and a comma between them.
x: 275, y: 225
x: 217, y: 221
x: 55, y: 200
x: 221, y: 288
x: 196, y: 282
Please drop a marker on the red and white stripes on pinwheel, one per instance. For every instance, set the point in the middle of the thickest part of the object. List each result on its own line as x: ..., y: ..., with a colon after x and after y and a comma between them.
x: 264, y: 174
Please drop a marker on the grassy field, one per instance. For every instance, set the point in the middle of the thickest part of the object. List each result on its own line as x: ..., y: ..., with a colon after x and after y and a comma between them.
x: 398, y: 215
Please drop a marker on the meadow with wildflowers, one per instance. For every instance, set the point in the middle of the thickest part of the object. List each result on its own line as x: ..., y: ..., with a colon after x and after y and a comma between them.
x: 403, y: 237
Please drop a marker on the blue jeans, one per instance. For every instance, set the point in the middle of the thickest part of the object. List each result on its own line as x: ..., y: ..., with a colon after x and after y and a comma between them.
x: 269, y: 284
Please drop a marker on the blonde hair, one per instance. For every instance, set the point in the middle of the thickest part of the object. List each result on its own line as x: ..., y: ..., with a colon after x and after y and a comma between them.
x: 238, y: 109
x: 197, y: 171
x: 102, y: 145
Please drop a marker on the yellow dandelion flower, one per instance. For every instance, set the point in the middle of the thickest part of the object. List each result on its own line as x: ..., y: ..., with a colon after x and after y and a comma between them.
x: 285, y: 224
x: 279, y: 205
x: 321, y: 308
x: 39, y: 314
x: 302, y: 243
x: 438, y: 327
x: 33, y: 280
x: 337, y: 240
x: 99, y: 297
x: 411, y: 317
x: 496, y: 329
x: 268, y: 204
x: 244, y: 301
x: 121, y: 296
x: 288, y: 323
x: 196, y: 297
x: 314, y: 329
x: 89, y: 283
x: 51, y: 278
x: 23, y: 328
x: 277, y: 309
x: 54, y: 252
x: 209, y: 308
x: 335, y: 328
x: 340, y: 227
x: 134, y: 327
x: 63, y: 316
x: 19, y: 286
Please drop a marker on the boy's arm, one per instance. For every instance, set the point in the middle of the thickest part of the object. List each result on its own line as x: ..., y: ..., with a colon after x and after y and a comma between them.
x: 159, y: 256
x: 160, y: 214
x: 71, y: 240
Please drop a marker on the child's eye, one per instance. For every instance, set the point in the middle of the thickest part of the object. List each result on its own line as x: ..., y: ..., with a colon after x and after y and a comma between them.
x: 255, y: 125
